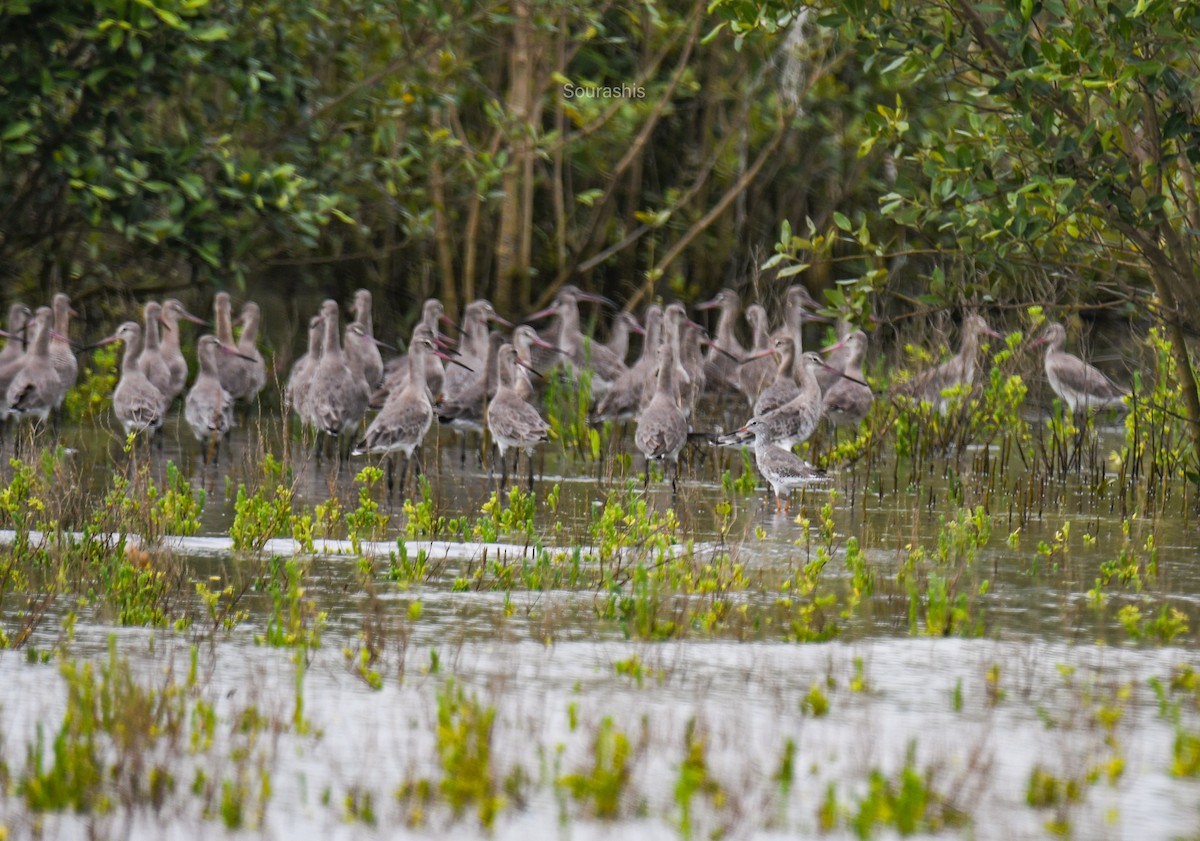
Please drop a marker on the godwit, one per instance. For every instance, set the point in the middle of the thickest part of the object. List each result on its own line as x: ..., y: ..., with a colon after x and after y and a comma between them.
x: 849, y: 399
x: 464, y: 412
x: 337, y: 399
x: 757, y: 370
x: 253, y: 371
x: 1079, y: 385
x: 20, y: 321
x: 356, y: 336
x: 151, y: 362
x: 545, y: 360
x: 61, y: 353
x: 797, y: 308
x: 691, y: 335
x: 18, y: 316
x: 957, y: 371
x: 172, y: 312
x: 396, y: 368
x: 720, y: 370
x: 580, y: 352
x: 782, y: 469
x: 295, y: 393
x: 526, y: 340
x: 783, y: 387
x: 405, y: 418
x: 624, y: 398
x: 365, y: 356
x: 674, y: 316
x: 208, y: 407
x: 662, y: 428
x: 794, y: 421
x: 228, y: 368
x: 836, y: 356
x: 514, y: 423
x: 473, y: 346
x: 618, y: 340
x: 35, y: 384
x: 137, y: 404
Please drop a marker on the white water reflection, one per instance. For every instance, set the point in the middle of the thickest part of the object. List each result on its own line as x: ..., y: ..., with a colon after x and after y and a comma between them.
x: 1019, y: 710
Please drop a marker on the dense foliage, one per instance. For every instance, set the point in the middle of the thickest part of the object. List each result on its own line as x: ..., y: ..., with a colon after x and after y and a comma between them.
x: 417, y: 148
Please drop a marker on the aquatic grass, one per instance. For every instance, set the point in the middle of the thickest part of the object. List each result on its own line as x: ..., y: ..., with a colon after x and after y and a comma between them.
x: 568, y: 403
x: 295, y: 620
x: 90, y: 400
x: 464, y: 751
x: 603, y: 787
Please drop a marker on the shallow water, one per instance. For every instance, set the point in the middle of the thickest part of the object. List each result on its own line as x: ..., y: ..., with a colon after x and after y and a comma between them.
x: 1038, y: 674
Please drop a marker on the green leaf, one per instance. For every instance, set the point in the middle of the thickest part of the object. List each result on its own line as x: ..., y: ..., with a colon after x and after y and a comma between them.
x: 216, y: 32
x: 18, y: 129
x: 842, y: 221
x: 793, y: 270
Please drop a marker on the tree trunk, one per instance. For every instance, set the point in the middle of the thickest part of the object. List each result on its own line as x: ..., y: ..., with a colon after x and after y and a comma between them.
x: 443, y: 240
x: 509, y: 245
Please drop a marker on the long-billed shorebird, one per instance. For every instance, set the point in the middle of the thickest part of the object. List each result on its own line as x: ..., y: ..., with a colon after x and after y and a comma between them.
x: 956, y: 372
x: 151, y: 361
x: 228, y: 369
x: 798, y: 306
x: 757, y: 370
x: 364, y: 356
x: 61, y: 353
x: 836, y: 356
x: 12, y: 355
x: 514, y: 423
x: 337, y: 399
x: 253, y: 376
x: 1080, y: 386
x: 396, y: 368
x: 527, y: 342
x: 720, y: 369
x: 783, y: 387
x: 579, y: 351
x: 618, y: 340
x: 401, y: 424
x: 624, y: 397
x: 465, y: 411
x: 295, y: 393
x: 783, y: 470
x: 19, y: 316
x: 662, y: 429
x: 793, y: 422
x: 35, y: 385
x: 138, y: 405
x: 472, y: 347
x: 208, y: 407
x: 171, y: 344
x: 848, y: 400
x: 674, y: 318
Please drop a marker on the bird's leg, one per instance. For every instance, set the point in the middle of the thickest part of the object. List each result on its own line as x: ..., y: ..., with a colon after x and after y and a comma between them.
x: 503, y: 472
x: 462, y: 450
x: 491, y: 464
x: 529, y: 458
x: 404, y: 475
x: 391, y: 469
x: 646, y: 480
x: 675, y: 478
x: 317, y: 446
x: 778, y: 504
